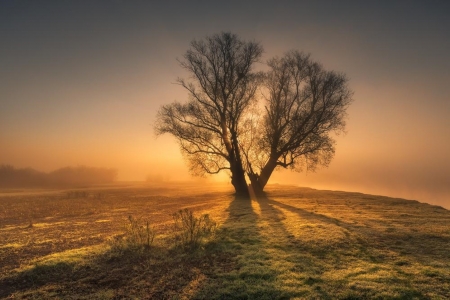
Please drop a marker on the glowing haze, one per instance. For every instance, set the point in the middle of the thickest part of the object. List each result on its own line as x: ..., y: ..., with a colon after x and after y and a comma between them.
x: 81, y: 81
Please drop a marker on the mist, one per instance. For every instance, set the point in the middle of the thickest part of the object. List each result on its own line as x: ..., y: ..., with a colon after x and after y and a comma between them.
x: 80, y: 176
x: 81, y: 84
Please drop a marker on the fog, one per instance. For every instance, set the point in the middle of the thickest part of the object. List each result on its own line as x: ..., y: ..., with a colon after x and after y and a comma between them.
x: 81, y: 84
x: 66, y: 177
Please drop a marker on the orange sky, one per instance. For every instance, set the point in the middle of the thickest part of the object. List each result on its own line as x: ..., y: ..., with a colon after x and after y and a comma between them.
x: 80, y: 84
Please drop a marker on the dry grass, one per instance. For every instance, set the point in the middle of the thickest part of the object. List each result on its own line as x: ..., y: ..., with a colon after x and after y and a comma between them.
x: 294, y: 243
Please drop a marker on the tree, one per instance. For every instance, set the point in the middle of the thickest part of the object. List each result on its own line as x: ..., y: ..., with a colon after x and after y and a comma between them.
x: 222, y: 88
x: 305, y: 104
x: 224, y: 127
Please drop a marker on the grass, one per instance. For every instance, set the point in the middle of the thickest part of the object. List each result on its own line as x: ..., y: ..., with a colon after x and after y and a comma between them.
x: 295, y: 243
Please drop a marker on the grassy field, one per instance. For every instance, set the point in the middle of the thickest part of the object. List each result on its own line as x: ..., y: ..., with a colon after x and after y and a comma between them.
x: 294, y: 243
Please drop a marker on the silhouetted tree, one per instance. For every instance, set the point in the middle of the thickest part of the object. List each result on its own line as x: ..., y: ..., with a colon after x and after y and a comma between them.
x: 223, y: 127
x: 221, y: 89
x: 305, y: 105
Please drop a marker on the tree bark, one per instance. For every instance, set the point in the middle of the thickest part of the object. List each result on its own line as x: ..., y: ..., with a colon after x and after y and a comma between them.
x: 236, y: 167
x: 238, y: 179
x: 266, y: 172
x: 254, y: 184
x: 258, y: 182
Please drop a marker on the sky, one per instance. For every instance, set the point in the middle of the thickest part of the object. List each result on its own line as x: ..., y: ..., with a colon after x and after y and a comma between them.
x: 81, y: 82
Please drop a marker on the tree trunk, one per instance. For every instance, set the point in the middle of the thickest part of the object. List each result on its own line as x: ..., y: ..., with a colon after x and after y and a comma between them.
x: 259, y: 182
x: 255, y: 186
x: 237, y: 170
x: 238, y: 180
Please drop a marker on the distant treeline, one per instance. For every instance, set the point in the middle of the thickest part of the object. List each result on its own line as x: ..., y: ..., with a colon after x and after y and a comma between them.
x: 11, y: 177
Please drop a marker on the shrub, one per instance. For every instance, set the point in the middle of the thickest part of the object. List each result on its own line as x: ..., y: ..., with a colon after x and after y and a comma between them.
x: 190, y: 230
x: 138, y: 235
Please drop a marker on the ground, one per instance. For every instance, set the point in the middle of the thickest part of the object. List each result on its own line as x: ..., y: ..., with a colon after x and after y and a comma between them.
x: 293, y: 243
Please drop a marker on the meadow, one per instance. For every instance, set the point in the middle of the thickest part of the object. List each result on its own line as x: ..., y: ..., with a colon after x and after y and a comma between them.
x: 294, y: 243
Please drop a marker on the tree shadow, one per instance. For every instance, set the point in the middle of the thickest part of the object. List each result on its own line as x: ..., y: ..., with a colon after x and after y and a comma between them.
x: 289, y: 256
x: 400, y: 240
x: 358, y: 246
x: 156, y: 274
x: 250, y: 274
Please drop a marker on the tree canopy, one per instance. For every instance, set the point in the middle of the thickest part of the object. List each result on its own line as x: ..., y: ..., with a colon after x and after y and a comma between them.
x: 250, y: 123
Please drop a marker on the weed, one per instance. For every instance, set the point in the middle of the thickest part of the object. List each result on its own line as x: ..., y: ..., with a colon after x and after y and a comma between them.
x: 137, y: 236
x: 190, y: 230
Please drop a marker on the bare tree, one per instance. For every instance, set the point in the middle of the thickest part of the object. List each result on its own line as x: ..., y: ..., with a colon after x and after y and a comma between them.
x: 221, y: 88
x: 222, y: 126
x: 305, y: 105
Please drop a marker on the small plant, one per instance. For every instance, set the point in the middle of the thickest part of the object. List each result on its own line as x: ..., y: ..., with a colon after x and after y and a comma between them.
x: 190, y: 230
x: 137, y: 236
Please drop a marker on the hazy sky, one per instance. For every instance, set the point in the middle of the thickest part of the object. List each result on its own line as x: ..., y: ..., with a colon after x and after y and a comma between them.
x: 81, y: 81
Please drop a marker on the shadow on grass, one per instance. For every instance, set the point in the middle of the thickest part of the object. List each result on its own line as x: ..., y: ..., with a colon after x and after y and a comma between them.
x: 363, y: 263
x: 416, y: 245
x: 141, y: 274
x: 250, y: 274
x: 300, y: 269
